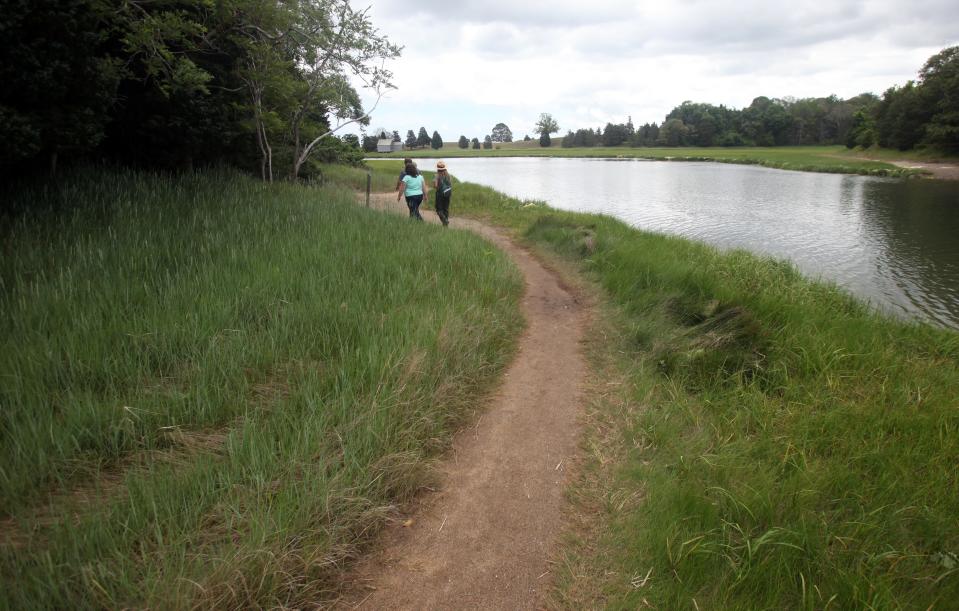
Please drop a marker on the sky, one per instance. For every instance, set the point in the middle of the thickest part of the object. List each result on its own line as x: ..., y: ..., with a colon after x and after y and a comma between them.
x: 467, y: 65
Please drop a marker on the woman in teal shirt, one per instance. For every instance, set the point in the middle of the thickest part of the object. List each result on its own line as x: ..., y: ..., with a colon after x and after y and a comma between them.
x: 414, y: 188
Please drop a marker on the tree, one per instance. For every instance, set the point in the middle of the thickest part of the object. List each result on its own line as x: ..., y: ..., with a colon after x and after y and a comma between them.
x: 436, y: 142
x: 501, y: 133
x: 333, y: 41
x: 673, y: 133
x: 488, y: 142
x: 351, y: 140
x: 463, y: 142
x: 476, y: 143
x: 526, y: 138
x: 58, y: 82
x: 410, y: 139
x: 369, y: 143
x: 939, y: 82
x: 396, y: 136
x: 423, y: 138
x: 544, y: 127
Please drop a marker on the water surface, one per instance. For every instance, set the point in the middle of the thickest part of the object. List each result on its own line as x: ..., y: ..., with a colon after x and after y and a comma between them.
x: 892, y: 242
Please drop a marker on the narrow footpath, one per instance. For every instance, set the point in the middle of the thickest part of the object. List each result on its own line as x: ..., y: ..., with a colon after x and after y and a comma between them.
x: 485, y: 539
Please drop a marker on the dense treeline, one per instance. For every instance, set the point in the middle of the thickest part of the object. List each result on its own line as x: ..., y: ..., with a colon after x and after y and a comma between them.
x: 172, y: 83
x: 920, y: 113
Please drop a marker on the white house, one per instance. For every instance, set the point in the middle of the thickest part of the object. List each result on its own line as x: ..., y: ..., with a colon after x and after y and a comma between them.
x: 386, y: 145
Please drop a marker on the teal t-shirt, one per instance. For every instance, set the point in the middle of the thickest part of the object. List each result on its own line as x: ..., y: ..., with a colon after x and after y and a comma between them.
x: 414, y: 185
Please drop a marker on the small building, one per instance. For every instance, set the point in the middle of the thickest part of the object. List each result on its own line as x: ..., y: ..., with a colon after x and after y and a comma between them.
x: 385, y: 145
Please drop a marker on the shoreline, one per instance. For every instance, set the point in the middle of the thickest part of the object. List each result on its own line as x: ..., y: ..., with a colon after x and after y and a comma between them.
x: 828, y: 160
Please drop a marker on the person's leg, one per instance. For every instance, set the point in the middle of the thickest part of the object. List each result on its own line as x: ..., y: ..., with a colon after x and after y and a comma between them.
x: 415, y: 207
x: 409, y: 204
x: 442, y: 209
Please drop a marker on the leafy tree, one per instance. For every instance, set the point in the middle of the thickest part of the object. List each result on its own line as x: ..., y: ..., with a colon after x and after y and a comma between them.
x: 488, y: 142
x: 526, y: 138
x: 901, y: 117
x: 463, y: 142
x: 423, y: 138
x: 545, y: 126
x: 351, y: 140
x: 939, y: 82
x: 569, y: 140
x: 673, y: 133
x: 369, y: 143
x: 615, y: 134
x: 501, y: 133
x: 410, y: 139
x: 436, y: 142
x: 59, y: 81
x: 863, y: 130
x: 476, y: 143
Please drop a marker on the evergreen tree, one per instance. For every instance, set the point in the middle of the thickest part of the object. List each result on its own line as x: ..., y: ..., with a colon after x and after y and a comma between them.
x: 488, y: 142
x: 423, y: 138
x: 476, y: 143
x: 463, y: 142
x: 410, y: 139
x: 436, y: 142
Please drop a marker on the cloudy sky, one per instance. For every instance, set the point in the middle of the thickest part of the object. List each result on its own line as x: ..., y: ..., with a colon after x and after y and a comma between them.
x: 469, y: 64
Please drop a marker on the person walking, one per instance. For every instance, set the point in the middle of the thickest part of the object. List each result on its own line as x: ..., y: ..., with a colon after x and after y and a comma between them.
x: 399, y: 180
x: 443, y: 188
x: 414, y: 188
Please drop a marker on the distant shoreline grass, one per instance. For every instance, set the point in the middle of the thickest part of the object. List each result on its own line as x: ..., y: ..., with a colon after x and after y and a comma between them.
x: 214, y: 389
x: 763, y: 440
x: 829, y: 159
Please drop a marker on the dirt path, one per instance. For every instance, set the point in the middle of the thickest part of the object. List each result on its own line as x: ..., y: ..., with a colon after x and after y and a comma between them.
x: 484, y: 540
x: 940, y: 170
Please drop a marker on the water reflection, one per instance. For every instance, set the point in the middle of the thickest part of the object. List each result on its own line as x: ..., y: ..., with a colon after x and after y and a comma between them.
x: 891, y: 242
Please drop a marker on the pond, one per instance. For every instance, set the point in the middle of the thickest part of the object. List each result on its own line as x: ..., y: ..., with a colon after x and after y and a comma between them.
x: 892, y: 242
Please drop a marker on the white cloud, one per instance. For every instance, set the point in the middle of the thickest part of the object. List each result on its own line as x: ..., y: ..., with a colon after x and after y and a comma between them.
x: 469, y: 65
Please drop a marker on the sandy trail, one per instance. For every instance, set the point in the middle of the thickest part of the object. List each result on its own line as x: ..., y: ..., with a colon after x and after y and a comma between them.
x: 484, y: 540
x: 939, y: 170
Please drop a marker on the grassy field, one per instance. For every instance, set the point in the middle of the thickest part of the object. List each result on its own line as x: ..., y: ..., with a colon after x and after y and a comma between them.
x: 214, y: 390
x: 757, y: 440
x: 805, y: 158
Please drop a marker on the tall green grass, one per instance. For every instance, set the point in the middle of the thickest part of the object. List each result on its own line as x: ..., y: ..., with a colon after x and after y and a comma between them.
x: 788, y: 447
x: 215, y: 389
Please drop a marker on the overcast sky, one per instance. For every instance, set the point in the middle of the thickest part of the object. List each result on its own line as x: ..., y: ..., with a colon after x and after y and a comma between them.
x: 469, y: 64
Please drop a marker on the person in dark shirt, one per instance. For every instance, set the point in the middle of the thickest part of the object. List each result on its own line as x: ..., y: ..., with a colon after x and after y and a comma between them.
x: 443, y: 188
x: 406, y: 163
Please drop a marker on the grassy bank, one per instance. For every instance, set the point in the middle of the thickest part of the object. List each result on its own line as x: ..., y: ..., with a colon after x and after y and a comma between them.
x: 758, y: 441
x: 805, y: 158
x: 215, y: 389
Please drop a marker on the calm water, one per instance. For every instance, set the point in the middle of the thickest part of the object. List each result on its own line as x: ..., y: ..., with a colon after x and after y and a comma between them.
x: 892, y: 242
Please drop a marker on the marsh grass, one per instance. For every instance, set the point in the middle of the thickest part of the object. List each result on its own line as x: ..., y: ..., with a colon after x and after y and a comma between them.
x: 214, y: 390
x: 766, y: 442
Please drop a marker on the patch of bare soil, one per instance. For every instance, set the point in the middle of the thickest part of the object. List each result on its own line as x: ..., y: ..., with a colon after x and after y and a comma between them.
x: 939, y: 170
x: 485, y: 540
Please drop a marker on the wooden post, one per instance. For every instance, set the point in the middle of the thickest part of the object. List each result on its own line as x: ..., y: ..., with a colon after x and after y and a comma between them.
x: 369, y: 183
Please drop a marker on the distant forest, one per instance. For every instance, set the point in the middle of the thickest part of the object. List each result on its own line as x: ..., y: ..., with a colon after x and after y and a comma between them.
x: 924, y: 112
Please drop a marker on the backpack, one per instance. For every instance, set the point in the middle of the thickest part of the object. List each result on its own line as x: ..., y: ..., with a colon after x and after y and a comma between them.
x: 446, y: 186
